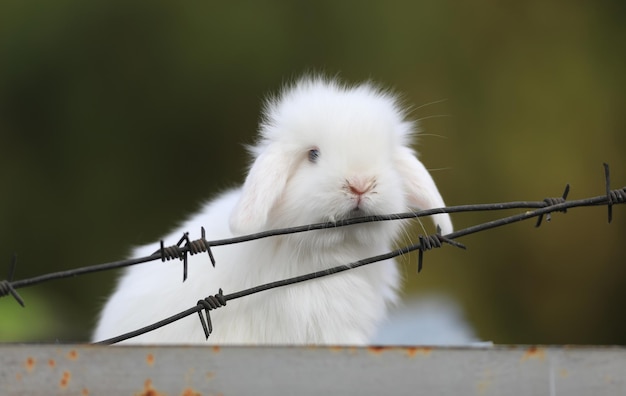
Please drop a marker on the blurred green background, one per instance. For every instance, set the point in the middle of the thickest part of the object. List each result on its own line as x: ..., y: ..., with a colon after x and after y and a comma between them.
x: 117, y: 118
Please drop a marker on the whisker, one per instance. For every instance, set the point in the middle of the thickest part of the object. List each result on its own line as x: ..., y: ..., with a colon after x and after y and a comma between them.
x: 447, y: 168
x: 433, y: 135
x: 405, y: 237
x: 433, y: 116
x: 429, y: 104
x: 421, y: 223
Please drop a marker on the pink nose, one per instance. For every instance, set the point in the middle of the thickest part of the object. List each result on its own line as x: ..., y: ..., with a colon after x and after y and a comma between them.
x: 360, y: 186
x: 357, y: 190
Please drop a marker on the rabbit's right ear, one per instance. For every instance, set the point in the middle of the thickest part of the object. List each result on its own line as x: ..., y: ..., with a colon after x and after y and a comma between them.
x: 263, y: 187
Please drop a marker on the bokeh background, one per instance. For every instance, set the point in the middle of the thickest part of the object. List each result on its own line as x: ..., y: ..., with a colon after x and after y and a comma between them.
x: 117, y: 118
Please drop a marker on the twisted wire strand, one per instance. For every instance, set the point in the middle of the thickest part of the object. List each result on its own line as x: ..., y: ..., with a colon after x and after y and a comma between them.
x: 171, y: 252
x: 191, y: 247
x: 433, y: 241
x: 553, y: 202
x: 6, y: 288
x: 617, y: 196
x: 209, y: 303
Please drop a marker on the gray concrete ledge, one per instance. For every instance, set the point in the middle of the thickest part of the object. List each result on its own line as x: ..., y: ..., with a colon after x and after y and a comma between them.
x: 192, y: 370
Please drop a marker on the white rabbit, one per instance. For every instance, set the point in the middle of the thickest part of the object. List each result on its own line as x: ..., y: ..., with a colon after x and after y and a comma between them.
x: 326, y: 152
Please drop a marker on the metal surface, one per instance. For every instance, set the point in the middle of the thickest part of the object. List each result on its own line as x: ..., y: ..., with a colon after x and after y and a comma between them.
x: 101, y: 370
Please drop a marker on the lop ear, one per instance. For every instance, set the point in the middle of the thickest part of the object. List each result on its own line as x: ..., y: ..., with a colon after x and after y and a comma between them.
x: 263, y: 187
x: 420, y: 187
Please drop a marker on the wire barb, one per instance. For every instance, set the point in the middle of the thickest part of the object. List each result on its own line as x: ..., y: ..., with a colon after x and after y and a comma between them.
x: 553, y: 202
x: 609, y: 205
x: 612, y: 196
x: 191, y: 247
x: 200, y: 246
x: 429, y: 242
x: 6, y: 287
x: 209, y: 303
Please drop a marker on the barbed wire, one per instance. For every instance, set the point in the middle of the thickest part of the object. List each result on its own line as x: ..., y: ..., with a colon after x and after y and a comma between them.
x: 186, y: 247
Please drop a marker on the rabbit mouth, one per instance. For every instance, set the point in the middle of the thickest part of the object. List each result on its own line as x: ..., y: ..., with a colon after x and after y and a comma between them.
x: 349, y: 214
x: 357, y: 212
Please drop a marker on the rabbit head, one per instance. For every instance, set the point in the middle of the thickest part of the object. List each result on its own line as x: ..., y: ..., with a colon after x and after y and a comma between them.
x: 329, y: 152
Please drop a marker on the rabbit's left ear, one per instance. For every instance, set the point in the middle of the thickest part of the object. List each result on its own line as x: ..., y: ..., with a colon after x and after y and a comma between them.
x: 420, y: 187
x: 263, y: 187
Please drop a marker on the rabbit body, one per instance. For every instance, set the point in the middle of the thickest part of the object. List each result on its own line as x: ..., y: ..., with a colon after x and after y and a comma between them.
x: 326, y: 152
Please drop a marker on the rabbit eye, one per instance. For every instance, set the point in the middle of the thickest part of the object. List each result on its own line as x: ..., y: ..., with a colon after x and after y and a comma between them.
x: 314, y: 155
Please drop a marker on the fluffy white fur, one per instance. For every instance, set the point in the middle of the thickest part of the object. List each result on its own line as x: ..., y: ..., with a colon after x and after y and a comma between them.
x: 365, y: 167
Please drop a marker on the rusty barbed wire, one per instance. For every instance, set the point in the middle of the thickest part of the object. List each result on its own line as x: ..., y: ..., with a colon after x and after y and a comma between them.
x: 186, y: 246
